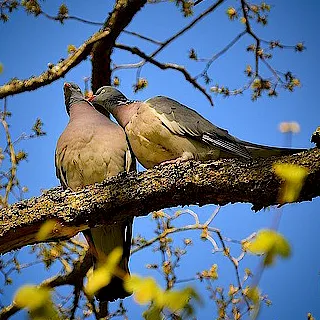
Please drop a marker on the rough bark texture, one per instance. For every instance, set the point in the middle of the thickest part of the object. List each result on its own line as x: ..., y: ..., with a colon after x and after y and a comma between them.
x: 121, y: 16
x: 215, y: 182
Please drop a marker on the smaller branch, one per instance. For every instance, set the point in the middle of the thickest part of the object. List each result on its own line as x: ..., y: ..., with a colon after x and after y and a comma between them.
x: 213, y: 215
x: 13, y: 168
x: 187, y: 27
x: 61, y: 18
x: 172, y: 38
x: 244, y: 7
x: 142, y: 37
x: 197, y: 2
x: 273, y: 71
x: 224, y: 50
x: 74, y: 277
x: 164, y: 66
x: 191, y: 213
x: 171, y: 231
x: 54, y: 73
x: 235, y: 264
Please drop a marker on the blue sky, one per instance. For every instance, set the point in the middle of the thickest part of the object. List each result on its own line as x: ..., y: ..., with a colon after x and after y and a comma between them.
x: 28, y: 44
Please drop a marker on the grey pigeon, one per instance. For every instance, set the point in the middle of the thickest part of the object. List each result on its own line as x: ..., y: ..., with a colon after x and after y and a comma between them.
x: 163, y: 130
x: 90, y: 149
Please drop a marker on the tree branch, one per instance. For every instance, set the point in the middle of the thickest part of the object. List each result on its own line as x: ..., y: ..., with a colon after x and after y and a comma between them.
x: 119, y: 18
x: 215, y: 182
x: 165, y: 66
x: 124, y: 11
x: 74, y: 277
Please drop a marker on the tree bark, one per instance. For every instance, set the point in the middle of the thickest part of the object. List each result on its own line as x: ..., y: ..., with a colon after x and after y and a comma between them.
x: 136, y: 194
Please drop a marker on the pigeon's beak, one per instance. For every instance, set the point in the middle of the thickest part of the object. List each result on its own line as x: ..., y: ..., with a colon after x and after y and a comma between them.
x: 91, y: 98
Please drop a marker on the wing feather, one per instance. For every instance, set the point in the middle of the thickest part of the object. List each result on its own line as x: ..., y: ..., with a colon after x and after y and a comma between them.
x: 182, y: 120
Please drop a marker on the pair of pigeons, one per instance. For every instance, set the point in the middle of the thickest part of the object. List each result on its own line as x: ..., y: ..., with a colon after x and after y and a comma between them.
x: 159, y: 130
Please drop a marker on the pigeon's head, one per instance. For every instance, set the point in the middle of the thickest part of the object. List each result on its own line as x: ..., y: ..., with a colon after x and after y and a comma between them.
x: 108, y: 98
x: 72, y: 94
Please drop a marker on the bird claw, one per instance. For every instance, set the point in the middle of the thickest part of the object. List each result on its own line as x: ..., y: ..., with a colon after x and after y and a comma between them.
x: 177, y: 161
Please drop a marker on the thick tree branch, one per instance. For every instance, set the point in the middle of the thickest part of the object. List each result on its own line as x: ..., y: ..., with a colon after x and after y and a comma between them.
x: 216, y: 182
x: 121, y: 16
x: 54, y: 73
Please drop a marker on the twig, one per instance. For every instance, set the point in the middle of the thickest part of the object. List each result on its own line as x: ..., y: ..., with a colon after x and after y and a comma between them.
x: 249, y: 31
x: 220, y: 53
x: 120, y: 16
x: 142, y: 37
x: 175, y: 36
x: 79, y: 271
x: 164, y: 66
x: 188, y: 27
x: 13, y: 161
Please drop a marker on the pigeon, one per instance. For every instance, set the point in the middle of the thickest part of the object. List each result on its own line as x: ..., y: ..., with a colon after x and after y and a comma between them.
x: 91, y: 149
x: 161, y: 130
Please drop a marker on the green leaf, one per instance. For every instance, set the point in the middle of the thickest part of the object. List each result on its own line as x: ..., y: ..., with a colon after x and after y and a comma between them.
x: 294, y: 177
x: 176, y: 300
x: 31, y: 297
x: 145, y: 289
x: 270, y: 243
x: 46, y: 229
x: 153, y: 313
x: 38, y: 301
x: 103, y: 274
x: 71, y: 48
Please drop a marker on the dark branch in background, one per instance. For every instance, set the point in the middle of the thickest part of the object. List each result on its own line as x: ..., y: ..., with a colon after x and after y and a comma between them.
x: 216, y: 182
x: 165, y: 66
x: 188, y: 27
x: 164, y: 44
x: 244, y: 7
x: 174, y: 37
x: 142, y: 37
x: 121, y: 16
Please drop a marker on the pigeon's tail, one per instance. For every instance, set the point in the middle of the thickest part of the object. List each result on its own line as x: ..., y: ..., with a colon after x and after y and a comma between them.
x: 102, y: 240
x: 259, y: 151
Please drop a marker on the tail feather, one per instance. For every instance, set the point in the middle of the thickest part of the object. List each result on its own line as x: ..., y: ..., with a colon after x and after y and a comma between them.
x: 260, y: 151
x: 102, y: 240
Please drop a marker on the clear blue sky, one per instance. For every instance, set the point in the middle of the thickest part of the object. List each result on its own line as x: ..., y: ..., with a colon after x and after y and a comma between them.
x: 28, y: 44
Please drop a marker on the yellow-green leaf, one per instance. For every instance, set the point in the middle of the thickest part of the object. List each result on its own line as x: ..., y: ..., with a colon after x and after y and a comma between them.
x: 71, y: 48
x: 32, y: 297
x: 294, y: 177
x: 46, y: 229
x: 114, y: 258
x: 176, y: 300
x: 145, y: 289
x: 271, y: 243
x: 103, y: 274
x: 153, y: 313
x: 253, y: 294
x: 99, y: 279
x: 232, y: 13
x: 1, y: 67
